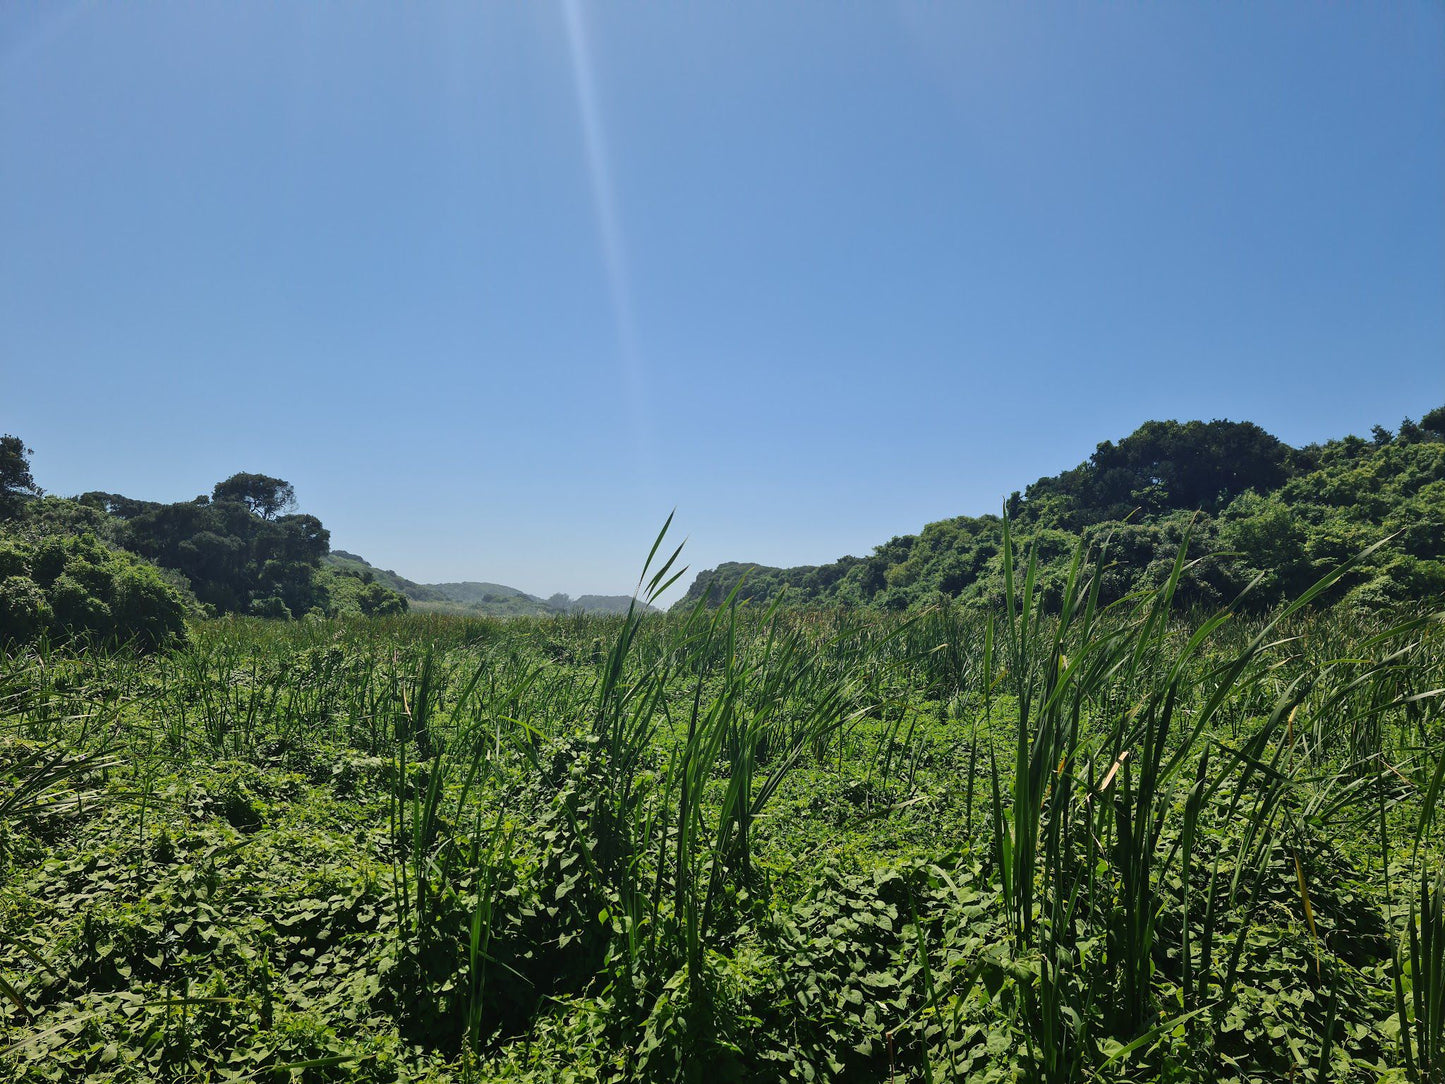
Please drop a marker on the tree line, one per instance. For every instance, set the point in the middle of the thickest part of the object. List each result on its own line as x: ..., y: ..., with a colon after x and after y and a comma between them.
x: 1257, y: 513
x: 114, y: 567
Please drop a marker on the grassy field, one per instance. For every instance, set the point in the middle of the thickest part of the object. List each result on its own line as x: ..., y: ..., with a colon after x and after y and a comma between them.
x: 1115, y: 843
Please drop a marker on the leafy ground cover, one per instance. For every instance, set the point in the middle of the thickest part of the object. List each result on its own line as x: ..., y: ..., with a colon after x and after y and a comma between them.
x: 1057, y: 843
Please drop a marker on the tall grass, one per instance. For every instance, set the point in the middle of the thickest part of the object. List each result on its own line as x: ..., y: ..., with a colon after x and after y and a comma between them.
x: 1136, y: 787
x: 1120, y: 717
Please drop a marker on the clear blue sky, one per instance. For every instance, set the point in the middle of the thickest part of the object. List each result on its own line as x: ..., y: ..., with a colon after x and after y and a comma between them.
x: 498, y: 286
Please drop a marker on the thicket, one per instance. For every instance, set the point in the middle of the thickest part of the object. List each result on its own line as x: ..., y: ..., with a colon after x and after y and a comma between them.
x: 1269, y: 517
x: 351, y: 590
x: 66, y: 588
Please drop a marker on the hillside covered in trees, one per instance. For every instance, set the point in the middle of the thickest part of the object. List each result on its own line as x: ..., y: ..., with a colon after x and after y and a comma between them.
x: 113, y: 567
x: 110, y: 566
x: 1253, y: 509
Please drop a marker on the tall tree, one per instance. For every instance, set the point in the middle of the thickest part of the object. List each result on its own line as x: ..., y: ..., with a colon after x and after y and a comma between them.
x: 266, y: 496
x: 16, y: 483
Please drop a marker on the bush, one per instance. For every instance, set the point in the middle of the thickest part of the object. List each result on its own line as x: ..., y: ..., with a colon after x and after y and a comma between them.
x: 24, y: 613
x: 68, y: 587
x: 348, y: 593
x: 13, y: 560
x: 378, y: 601
x: 77, y: 609
x: 271, y: 607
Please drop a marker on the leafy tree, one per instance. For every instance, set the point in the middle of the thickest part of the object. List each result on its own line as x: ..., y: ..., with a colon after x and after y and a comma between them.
x: 267, y: 497
x: 1410, y: 432
x: 17, y: 485
x: 48, y: 515
x: 1163, y: 466
x: 378, y: 601
x: 24, y: 611
x: 1267, y: 534
x: 115, y: 504
x: 271, y: 607
x: 1433, y: 423
x: 348, y: 589
x: 237, y: 553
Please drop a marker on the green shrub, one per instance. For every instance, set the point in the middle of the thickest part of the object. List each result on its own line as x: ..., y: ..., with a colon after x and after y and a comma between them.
x: 77, y: 609
x: 349, y: 593
x: 76, y: 587
x: 13, y: 560
x: 378, y: 601
x: 24, y: 613
x: 271, y: 607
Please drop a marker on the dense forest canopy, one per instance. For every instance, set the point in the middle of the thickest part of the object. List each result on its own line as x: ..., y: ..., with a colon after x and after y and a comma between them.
x: 1252, y: 508
x: 1161, y: 467
x: 138, y: 564
x: 239, y: 555
x: 65, y: 586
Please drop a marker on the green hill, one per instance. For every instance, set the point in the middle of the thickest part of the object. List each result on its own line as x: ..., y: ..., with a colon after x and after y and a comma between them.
x: 477, y: 597
x: 359, y: 566
x: 1251, y: 506
x: 242, y: 549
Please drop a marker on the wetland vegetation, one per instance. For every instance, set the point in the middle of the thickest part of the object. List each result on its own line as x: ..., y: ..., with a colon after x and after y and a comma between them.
x: 1067, y: 828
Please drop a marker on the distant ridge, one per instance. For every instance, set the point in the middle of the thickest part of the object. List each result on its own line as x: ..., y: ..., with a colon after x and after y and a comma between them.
x: 481, y: 598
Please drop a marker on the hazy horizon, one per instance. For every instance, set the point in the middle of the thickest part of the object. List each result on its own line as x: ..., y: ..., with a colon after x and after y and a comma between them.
x: 498, y: 288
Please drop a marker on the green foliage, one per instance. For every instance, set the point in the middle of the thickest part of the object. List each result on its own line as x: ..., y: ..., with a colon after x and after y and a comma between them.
x: 1422, y: 1014
x: 1433, y: 423
x: 359, y: 568
x: 265, y: 496
x: 67, y: 587
x: 376, y: 601
x: 1164, y: 466
x: 1073, y: 841
x: 25, y: 612
x: 235, y: 550
x: 237, y: 553
x: 1261, y: 515
x: 16, y: 483
x: 234, y: 553
x: 350, y: 591
x: 275, y: 608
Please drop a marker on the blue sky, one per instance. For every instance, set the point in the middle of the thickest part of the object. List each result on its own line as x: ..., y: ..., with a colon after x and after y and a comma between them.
x: 498, y: 286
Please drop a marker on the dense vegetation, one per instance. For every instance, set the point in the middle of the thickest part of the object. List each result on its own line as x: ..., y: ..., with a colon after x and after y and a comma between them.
x: 241, y: 550
x: 133, y: 567
x: 64, y: 588
x: 1056, y: 842
x: 1096, y: 813
x: 1266, y: 511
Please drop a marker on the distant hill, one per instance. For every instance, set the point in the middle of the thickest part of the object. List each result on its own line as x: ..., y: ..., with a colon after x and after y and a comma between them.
x: 415, y: 592
x: 480, y: 598
x: 1250, y: 505
x: 240, y: 550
